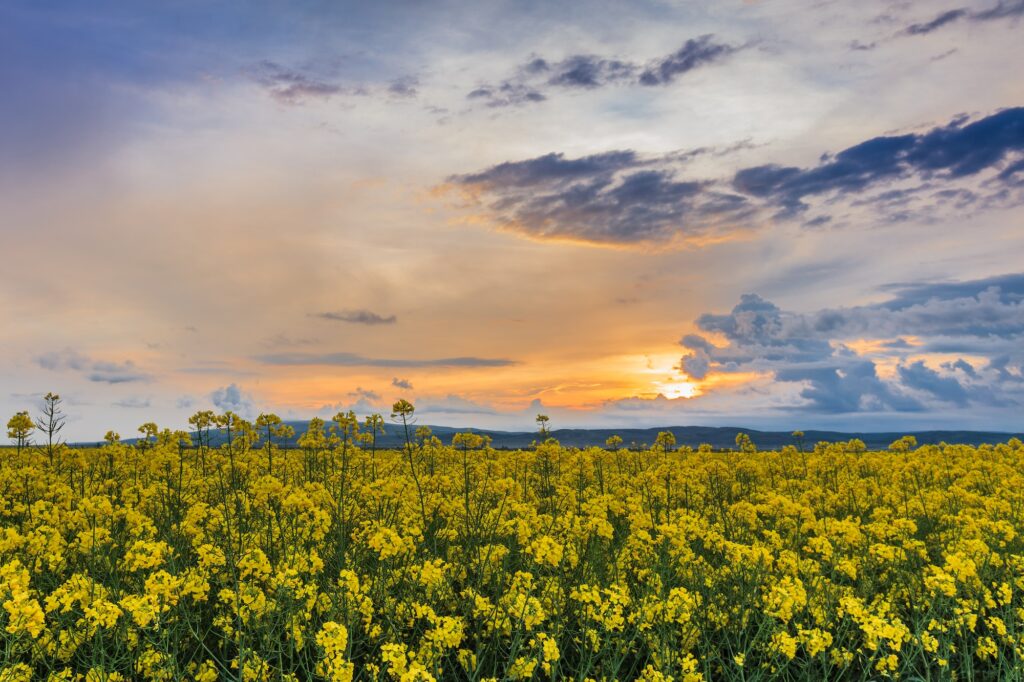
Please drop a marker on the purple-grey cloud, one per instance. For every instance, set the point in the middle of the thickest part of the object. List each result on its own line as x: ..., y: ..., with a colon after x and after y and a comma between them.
x: 622, y: 197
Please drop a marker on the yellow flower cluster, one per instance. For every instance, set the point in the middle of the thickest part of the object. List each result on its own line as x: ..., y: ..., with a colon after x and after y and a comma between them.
x: 339, y: 561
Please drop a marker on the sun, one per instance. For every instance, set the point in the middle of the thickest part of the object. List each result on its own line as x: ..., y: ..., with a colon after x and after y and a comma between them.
x: 677, y: 388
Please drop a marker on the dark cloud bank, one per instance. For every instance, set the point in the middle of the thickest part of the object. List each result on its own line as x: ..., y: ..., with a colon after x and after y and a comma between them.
x: 623, y: 197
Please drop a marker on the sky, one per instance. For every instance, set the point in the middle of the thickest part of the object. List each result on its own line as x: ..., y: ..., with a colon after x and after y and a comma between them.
x: 774, y: 214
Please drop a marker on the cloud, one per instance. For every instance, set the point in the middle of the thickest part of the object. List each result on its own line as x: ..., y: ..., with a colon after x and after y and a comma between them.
x: 918, y: 376
x: 962, y: 365
x: 815, y: 349
x: 99, y: 371
x: 954, y: 151
x: 132, y: 403
x: 1001, y: 10
x: 406, y: 86
x: 590, y: 72
x: 610, y: 198
x: 293, y: 87
x: 936, y: 23
x: 231, y: 398
x: 404, y: 384
x: 364, y: 394
x: 357, y: 317
x: 621, y: 197
x: 356, y: 360
x: 694, y: 53
x: 453, y: 404
x: 850, y: 387
x: 507, y: 94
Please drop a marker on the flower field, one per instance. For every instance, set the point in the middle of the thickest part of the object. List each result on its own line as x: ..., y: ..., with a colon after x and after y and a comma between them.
x: 169, y: 559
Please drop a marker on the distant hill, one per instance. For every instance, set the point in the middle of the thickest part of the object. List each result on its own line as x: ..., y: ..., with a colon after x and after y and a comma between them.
x: 719, y: 437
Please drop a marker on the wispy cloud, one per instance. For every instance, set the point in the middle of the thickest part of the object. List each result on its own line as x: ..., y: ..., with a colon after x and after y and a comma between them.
x: 590, y: 71
x: 1001, y: 10
x: 356, y: 360
x: 291, y: 86
x: 361, y: 316
x: 364, y: 394
x: 936, y: 23
x: 694, y: 53
x: 99, y: 371
x: 133, y: 403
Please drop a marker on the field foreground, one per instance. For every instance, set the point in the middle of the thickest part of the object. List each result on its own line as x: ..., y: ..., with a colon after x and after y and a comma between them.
x: 156, y: 561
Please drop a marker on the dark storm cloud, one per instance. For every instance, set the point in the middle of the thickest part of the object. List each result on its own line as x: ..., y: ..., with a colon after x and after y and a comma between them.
x: 361, y: 316
x: 984, y: 317
x: 356, y: 360
x: 621, y: 197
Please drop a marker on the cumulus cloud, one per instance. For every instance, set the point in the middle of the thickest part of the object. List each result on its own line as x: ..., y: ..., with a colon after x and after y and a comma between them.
x: 814, y: 349
x: 232, y: 398
x: 403, y: 384
x: 361, y: 316
x: 99, y: 371
x: 356, y: 360
x: 622, y: 197
x: 918, y: 376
